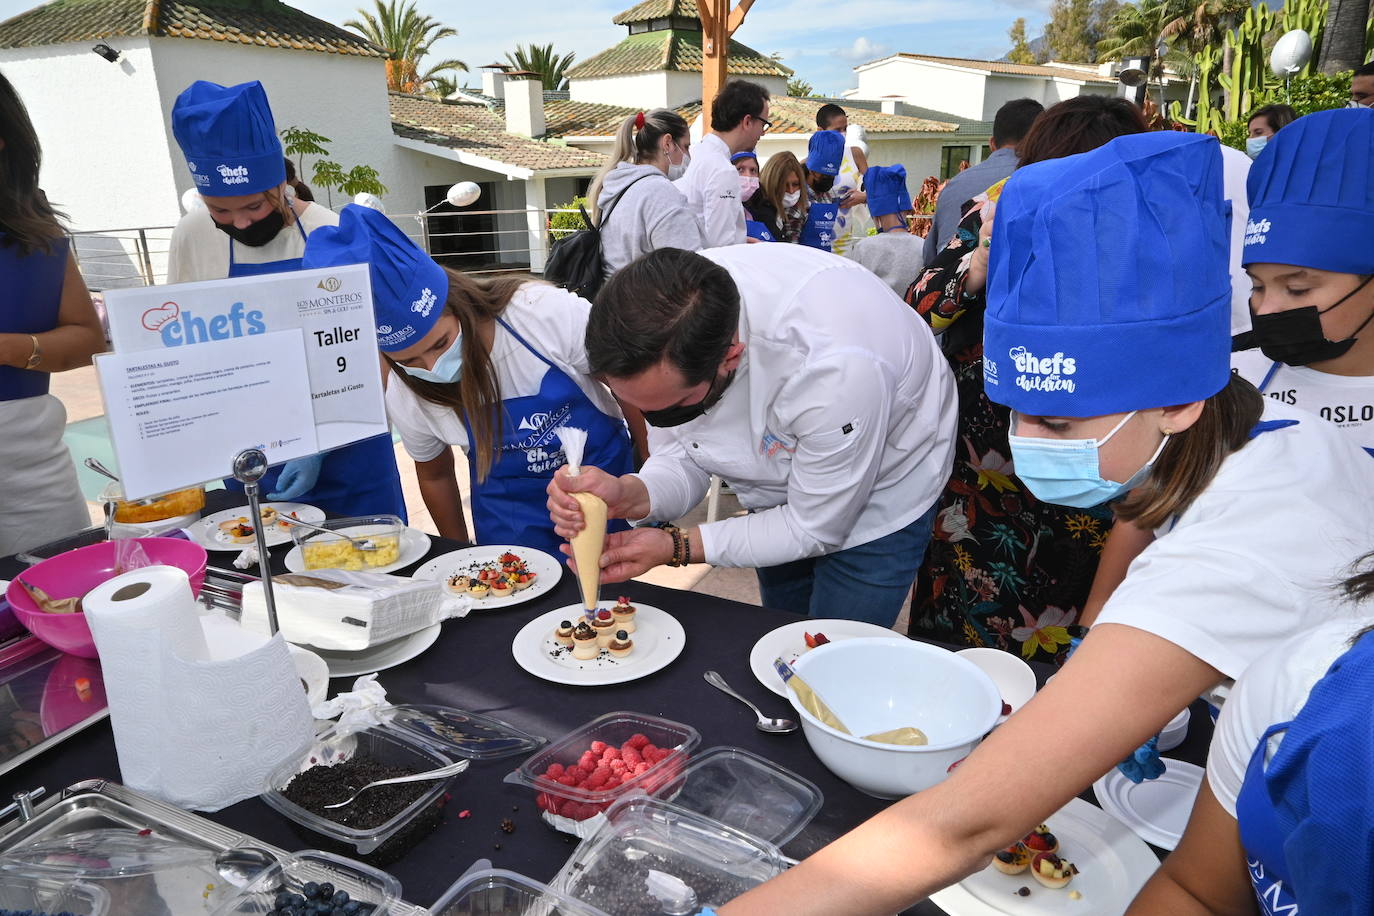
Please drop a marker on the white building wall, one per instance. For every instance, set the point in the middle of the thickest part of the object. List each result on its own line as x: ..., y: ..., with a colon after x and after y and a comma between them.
x: 958, y: 92
x: 1002, y: 89
x: 342, y: 97
x: 105, y: 157
x: 638, y: 90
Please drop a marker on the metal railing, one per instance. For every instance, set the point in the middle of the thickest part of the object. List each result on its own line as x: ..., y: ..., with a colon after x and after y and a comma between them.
x: 118, y: 258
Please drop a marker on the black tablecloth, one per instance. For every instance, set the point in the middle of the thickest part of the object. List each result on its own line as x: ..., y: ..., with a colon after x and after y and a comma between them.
x: 471, y: 667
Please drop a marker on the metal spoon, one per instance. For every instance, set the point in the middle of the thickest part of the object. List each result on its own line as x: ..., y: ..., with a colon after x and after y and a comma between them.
x: 95, y: 465
x: 363, y: 544
x: 241, y: 864
x: 452, y: 769
x: 764, y: 724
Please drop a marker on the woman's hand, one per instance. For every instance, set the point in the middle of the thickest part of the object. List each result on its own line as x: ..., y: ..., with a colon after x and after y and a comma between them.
x: 977, y: 276
x: 625, y: 497
x: 630, y: 553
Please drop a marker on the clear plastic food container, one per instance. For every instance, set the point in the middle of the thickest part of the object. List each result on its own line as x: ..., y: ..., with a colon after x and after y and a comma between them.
x: 389, y: 840
x: 496, y: 892
x: 745, y: 791
x: 305, y: 874
x: 567, y: 798
x: 652, y: 858
x: 457, y: 733
x: 24, y: 893
x: 175, y: 504
x: 323, y: 550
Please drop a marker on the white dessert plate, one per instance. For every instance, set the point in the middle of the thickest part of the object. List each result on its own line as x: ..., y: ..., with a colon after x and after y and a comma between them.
x: 1113, y: 864
x: 1156, y: 809
x: 414, y: 545
x: 658, y: 639
x: 1015, y: 679
x: 206, y: 532
x: 789, y: 642
x: 379, y: 657
x: 470, y: 560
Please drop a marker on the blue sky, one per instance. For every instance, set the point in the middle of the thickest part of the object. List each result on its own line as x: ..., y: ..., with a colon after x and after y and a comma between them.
x: 820, y: 39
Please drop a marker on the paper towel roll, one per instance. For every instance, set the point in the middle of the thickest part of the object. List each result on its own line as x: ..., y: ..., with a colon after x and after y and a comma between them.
x: 199, y: 723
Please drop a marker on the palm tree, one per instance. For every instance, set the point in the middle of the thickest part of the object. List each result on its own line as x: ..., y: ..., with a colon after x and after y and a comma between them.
x: 1136, y: 28
x: 542, y: 60
x: 1347, y: 32
x: 442, y: 87
x: 406, y: 35
x: 1206, y: 26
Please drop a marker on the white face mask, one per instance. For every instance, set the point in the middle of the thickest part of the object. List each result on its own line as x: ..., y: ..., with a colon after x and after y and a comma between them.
x: 791, y: 198
x: 748, y: 184
x: 677, y: 169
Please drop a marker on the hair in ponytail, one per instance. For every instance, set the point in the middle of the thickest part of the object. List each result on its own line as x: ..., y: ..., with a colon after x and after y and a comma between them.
x: 637, y: 141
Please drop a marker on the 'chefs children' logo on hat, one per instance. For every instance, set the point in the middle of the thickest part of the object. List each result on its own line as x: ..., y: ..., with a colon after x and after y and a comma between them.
x: 425, y: 304
x: 1042, y: 373
x: 1257, y: 233
x: 237, y: 174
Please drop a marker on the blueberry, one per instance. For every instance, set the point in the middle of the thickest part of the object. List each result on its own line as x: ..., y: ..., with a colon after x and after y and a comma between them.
x: 283, y: 899
x: 339, y: 898
x: 311, y: 890
x: 337, y: 911
x: 296, y: 900
x: 352, y: 908
x: 326, y: 891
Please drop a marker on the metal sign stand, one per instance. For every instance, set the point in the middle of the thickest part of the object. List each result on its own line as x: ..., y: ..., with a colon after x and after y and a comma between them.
x: 249, y: 466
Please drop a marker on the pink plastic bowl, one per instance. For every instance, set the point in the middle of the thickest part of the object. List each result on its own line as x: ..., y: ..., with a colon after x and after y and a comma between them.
x: 78, y: 571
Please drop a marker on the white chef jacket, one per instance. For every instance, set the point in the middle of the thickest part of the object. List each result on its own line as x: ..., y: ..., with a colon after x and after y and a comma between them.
x: 838, y: 427
x: 711, y: 186
x: 199, y: 251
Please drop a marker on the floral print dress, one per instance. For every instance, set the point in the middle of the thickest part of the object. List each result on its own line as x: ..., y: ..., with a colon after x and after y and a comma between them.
x: 1003, y: 569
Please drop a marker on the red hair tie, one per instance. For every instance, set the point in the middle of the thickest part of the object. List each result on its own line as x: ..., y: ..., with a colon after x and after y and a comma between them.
x: 639, y: 121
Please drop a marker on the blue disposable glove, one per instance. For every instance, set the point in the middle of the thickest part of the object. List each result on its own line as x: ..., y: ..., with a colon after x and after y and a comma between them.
x: 298, y: 478
x: 1144, y: 763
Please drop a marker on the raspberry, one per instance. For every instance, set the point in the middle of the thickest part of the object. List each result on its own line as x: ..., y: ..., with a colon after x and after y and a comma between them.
x: 611, y: 753
x: 578, y: 773
x: 598, y: 778
x: 598, y: 747
x: 567, y: 780
x: 618, y: 766
x: 554, y: 771
x: 588, y: 760
x: 638, y: 741
x: 642, y: 768
x: 631, y: 757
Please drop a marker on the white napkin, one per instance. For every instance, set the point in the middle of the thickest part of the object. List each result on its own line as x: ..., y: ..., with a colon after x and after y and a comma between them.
x: 201, y: 714
x: 370, y: 608
x: 357, y: 708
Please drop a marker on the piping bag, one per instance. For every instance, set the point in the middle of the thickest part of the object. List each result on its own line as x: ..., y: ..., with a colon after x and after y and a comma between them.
x: 812, y: 703
x: 588, y: 543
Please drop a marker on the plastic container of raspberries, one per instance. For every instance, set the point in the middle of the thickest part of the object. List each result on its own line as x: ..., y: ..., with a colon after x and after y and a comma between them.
x: 316, y: 878
x: 613, y: 756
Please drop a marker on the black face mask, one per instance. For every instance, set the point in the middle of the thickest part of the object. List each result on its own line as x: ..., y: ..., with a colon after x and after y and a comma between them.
x: 1295, y: 337
x: 822, y: 184
x: 256, y: 234
x: 685, y: 413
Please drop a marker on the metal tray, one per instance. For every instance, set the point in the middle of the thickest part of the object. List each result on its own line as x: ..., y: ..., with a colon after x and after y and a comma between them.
x: 98, y: 803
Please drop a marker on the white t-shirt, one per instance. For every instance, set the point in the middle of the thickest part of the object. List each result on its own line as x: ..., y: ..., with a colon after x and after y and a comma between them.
x: 199, y: 251
x: 1272, y: 690
x: 1252, y: 562
x: 551, y: 320
x: 1347, y: 401
x: 838, y: 427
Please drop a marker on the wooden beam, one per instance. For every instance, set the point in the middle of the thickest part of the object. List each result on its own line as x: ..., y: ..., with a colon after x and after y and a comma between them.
x: 718, y: 23
x: 737, y: 17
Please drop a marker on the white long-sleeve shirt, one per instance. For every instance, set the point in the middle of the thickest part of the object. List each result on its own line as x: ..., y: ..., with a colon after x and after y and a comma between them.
x: 838, y: 427
x: 711, y: 186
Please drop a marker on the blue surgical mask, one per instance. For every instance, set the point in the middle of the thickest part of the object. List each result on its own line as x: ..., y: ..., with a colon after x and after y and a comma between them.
x: 1067, y: 472
x: 1255, y: 145
x: 446, y: 368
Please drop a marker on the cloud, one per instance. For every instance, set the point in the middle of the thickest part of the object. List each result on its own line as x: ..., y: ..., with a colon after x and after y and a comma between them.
x: 863, y: 49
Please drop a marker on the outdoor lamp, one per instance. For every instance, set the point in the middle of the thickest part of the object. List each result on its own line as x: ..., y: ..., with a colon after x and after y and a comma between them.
x: 107, y: 52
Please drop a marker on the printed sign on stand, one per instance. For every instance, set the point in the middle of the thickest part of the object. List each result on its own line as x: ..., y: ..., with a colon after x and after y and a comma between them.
x: 331, y: 307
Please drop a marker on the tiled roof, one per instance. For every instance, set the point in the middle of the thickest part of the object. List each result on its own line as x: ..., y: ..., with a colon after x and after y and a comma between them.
x: 476, y: 130
x: 657, y: 9
x: 675, y: 50
x: 266, y: 23
x: 789, y: 116
x: 1001, y: 66
x: 969, y: 126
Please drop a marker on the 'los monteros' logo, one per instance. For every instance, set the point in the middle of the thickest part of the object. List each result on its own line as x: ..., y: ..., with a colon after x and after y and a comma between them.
x: 232, y: 174
x: 1042, y: 373
x: 329, y: 284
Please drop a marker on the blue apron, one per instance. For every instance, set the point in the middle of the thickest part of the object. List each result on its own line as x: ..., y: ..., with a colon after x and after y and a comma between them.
x: 819, y: 229
x: 356, y: 479
x: 35, y: 281
x: 757, y: 230
x: 1262, y: 838
x: 509, y: 507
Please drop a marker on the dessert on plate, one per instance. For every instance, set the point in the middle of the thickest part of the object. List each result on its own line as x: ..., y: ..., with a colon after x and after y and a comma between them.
x: 624, y: 614
x: 563, y: 633
x: 603, y: 622
x: 620, y: 645
x: 1051, y: 870
x: 585, y: 642
x: 1013, y: 860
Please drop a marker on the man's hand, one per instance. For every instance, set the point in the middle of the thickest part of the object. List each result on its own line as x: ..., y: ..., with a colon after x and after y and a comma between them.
x: 567, y: 513
x: 853, y: 200
x: 630, y: 553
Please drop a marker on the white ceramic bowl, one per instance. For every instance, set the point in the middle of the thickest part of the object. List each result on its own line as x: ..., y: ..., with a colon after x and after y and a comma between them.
x: 1014, y: 678
x: 1172, y: 735
x: 874, y: 684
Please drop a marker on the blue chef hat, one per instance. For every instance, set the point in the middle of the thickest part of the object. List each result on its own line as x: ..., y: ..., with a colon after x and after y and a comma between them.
x: 408, y: 288
x: 744, y: 154
x: 1312, y: 194
x: 885, y: 186
x: 824, y: 152
x: 1108, y: 288
x: 228, y: 138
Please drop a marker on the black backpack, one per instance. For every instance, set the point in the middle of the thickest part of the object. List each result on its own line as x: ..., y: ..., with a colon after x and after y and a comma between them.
x: 575, y: 262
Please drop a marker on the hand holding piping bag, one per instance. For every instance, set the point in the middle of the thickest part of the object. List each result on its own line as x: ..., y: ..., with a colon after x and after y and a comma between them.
x: 588, y: 543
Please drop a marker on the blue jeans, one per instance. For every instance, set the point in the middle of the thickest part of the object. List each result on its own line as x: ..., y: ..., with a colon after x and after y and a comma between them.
x: 867, y: 582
